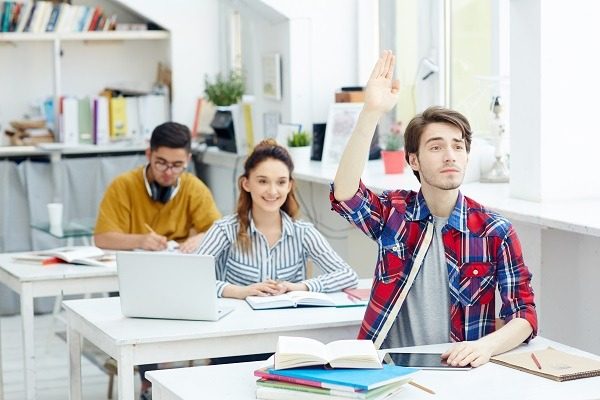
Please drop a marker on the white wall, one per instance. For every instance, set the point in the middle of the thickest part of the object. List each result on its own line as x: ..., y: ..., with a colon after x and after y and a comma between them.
x: 554, y: 83
x: 318, y: 56
x: 194, y: 46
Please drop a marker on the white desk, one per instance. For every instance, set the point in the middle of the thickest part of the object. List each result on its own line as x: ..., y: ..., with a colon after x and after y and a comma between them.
x: 491, y: 381
x: 31, y: 281
x: 134, y: 341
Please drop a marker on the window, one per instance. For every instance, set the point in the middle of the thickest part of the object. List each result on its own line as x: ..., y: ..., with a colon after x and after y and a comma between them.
x: 476, y: 35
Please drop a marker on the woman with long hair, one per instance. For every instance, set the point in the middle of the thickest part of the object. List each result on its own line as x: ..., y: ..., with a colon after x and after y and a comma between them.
x: 263, y: 249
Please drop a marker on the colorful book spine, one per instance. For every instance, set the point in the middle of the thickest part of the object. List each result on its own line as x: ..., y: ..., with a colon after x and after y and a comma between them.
x: 263, y: 373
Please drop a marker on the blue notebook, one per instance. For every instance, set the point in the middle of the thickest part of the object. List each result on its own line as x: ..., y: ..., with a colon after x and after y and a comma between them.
x: 361, y: 379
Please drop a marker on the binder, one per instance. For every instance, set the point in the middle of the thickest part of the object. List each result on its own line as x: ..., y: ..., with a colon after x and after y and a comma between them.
x: 118, y: 118
x: 101, y: 121
x: 69, y: 131
x: 86, y: 126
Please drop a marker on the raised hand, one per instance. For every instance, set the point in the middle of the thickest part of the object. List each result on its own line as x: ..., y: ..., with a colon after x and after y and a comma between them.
x: 381, y: 94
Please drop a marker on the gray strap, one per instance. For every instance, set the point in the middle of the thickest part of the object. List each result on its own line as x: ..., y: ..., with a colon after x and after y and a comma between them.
x: 411, y: 278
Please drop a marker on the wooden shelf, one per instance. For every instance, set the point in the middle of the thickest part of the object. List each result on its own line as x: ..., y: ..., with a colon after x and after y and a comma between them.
x: 84, y: 36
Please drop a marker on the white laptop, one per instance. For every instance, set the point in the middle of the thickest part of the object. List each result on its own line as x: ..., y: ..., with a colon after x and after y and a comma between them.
x: 168, y: 285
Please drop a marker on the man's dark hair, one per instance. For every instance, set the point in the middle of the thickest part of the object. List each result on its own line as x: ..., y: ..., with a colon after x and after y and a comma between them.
x: 417, y: 125
x: 172, y: 135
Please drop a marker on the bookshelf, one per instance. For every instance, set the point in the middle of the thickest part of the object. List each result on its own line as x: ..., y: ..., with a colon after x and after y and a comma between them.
x: 12, y: 37
x: 37, y: 66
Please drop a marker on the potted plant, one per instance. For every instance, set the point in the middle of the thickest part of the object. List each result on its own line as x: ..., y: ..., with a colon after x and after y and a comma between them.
x: 298, y: 144
x: 225, y: 93
x: 393, y: 150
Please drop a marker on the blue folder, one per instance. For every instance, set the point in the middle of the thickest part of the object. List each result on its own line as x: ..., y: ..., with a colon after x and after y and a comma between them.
x: 361, y: 379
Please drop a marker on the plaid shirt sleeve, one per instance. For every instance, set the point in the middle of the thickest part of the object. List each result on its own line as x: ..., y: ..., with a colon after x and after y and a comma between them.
x: 514, y: 282
x: 365, y: 210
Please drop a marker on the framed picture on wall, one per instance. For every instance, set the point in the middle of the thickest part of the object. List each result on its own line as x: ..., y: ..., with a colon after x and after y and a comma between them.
x: 271, y: 73
x: 340, y: 123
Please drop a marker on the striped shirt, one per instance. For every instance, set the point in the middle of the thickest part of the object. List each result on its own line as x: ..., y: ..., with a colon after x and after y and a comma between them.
x: 285, y: 260
x: 482, y: 252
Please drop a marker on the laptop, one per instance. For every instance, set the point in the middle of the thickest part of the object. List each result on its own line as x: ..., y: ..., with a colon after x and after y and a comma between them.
x: 168, y: 285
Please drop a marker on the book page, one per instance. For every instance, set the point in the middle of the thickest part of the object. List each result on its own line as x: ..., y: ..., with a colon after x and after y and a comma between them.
x: 71, y: 254
x: 353, y: 354
x: 299, y: 352
x: 266, y: 302
x: 310, y: 298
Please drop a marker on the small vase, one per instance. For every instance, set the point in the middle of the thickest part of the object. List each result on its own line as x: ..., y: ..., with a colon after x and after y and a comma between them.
x: 299, y: 154
x: 393, y: 161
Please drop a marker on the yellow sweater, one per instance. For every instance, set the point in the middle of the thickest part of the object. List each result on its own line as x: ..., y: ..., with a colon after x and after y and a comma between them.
x: 126, y: 207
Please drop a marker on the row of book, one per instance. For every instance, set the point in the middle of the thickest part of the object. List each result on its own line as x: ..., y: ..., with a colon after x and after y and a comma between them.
x: 353, y: 371
x: 104, y: 119
x: 47, y: 16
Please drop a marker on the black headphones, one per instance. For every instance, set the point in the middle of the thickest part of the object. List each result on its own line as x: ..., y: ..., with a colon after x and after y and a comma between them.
x: 158, y: 192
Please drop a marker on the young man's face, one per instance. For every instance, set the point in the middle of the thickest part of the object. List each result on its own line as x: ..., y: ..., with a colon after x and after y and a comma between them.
x: 442, y: 157
x: 166, y: 164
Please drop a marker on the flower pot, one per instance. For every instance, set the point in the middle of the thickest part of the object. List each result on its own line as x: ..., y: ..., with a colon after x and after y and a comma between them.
x: 393, y: 161
x: 299, y: 154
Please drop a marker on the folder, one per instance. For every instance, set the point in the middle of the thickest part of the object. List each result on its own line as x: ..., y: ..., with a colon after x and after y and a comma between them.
x: 118, y: 117
x: 555, y: 364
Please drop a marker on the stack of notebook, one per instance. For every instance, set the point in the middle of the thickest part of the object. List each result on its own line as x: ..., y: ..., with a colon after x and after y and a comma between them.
x: 323, y: 383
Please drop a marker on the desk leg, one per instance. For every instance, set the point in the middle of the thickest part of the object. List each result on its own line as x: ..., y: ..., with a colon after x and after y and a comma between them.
x: 125, y: 375
x: 74, y: 343
x: 1, y: 381
x: 28, y: 343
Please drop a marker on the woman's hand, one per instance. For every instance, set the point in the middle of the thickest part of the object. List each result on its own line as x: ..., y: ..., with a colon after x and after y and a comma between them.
x: 267, y: 288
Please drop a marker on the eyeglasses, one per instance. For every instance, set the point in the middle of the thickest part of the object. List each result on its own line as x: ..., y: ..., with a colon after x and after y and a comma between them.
x: 163, y: 166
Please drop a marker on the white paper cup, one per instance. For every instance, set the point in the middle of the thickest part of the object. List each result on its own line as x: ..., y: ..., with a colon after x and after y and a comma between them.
x: 55, y: 216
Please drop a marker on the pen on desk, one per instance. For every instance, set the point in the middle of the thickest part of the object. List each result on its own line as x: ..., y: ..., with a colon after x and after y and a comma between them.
x: 425, y: 389
x: 149, y: 228
x: 536, y: 361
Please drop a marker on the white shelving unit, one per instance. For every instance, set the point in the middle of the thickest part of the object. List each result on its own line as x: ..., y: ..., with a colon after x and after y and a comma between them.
x: 38, y: 65
x: 84, y: 36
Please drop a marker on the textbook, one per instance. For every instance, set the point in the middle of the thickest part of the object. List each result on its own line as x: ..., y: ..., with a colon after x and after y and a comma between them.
x: 273, y: 389
x: 294, y: 352
x: 358, y: 293
x: 349, y: 379
x: 303, y: 298
x: 84, y: 255
x: 551, y: 363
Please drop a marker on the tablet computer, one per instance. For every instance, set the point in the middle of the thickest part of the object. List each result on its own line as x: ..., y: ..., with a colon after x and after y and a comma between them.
x: 421, y: 361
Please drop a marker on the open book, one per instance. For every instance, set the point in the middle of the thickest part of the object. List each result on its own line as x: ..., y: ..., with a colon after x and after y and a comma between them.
x: 84, y: 255
x: 303, y: 298
x: 293, y: 352
x: 555, y: 364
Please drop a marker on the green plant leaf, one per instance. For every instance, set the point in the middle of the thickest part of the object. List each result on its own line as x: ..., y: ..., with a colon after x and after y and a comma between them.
x: 299, y: 139
x: 225, y: 91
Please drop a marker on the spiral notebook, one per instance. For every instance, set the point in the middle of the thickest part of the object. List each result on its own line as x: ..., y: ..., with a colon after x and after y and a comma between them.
x: 555, y: 364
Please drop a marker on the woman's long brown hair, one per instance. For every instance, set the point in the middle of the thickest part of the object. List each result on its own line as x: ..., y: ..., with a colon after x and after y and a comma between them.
x: 267, y: 149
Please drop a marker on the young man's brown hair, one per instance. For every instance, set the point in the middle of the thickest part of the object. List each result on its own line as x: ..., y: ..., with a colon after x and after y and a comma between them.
x: 417, y: 125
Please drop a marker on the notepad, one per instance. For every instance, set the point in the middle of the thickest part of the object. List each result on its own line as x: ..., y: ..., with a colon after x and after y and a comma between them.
x: 556, y: 365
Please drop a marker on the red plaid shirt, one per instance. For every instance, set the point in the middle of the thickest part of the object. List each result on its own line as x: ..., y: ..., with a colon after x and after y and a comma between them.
x: 482, y: 252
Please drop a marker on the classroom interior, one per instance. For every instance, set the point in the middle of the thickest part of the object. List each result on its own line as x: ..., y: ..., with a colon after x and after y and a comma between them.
x: 523, y: 56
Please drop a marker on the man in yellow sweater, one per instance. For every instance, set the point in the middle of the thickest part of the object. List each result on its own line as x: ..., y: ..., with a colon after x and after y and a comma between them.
x: 151, y: 205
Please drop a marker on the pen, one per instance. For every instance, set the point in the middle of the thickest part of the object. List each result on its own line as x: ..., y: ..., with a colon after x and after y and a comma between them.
x: 426, y: 389
x: 536, y: 361
x: 149, y: 228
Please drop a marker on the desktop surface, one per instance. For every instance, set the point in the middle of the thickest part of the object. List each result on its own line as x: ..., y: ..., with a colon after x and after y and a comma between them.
x: 490, y: 381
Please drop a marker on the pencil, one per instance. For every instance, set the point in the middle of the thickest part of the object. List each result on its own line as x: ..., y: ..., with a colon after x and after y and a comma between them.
x: 426, y: 389
x: 536, y: 361
x: 149, y: 228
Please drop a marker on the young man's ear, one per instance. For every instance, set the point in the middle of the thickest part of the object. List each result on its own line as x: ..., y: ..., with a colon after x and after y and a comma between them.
x: 413, y: 161
x: 148, y: 152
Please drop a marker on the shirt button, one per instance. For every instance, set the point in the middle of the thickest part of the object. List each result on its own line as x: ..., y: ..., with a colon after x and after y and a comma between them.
x: 475, y: 272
